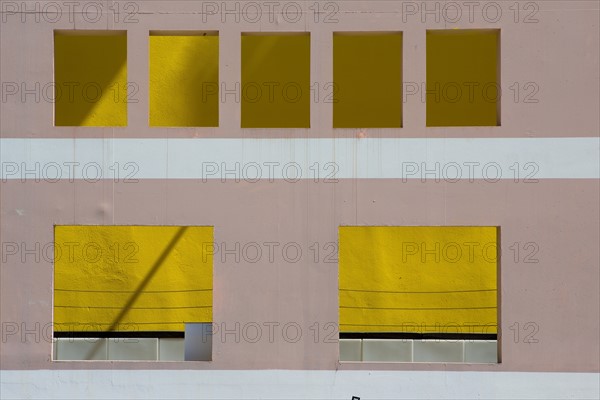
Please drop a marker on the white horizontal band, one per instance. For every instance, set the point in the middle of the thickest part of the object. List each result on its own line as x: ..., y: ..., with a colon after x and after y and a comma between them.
x: 292, y: 159
x: 295, y: 384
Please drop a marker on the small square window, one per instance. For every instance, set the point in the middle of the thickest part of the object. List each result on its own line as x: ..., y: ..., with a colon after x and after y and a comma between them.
x: 463, y: 77
x: 275, y: 91
x: 90, y: 73
x: 367, y: 75
x: 184, y: 79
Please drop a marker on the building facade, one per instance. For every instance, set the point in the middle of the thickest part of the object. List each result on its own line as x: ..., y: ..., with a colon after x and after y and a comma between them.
x: 353, y: 199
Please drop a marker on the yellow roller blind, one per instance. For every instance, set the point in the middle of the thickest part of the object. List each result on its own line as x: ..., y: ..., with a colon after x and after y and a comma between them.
x: 132, y: 278
x: 418, y: 279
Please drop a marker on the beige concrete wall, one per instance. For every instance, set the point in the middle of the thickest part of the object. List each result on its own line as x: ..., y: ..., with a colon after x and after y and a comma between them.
x: 558, y: 294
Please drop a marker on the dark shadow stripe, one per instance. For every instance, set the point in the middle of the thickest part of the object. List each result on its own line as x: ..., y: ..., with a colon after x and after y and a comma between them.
x: 134, y: 308
x: 413, y: 335
x: 170, y: 334
x: 396, y: 292
x: 133, y: 291
x: 417, y: 309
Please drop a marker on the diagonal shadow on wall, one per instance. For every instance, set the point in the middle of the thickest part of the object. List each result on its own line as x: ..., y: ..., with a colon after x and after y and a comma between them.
x: 140, y: 289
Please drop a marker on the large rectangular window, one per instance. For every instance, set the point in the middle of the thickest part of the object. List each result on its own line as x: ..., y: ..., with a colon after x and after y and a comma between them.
x: 416, y: 283
x: 90, y: 73
x: 145, y: 282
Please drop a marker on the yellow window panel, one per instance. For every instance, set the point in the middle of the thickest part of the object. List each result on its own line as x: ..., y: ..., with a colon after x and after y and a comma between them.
x: 90, y: 73
x: 367, y: 75
x: 184, y: 79
x: 132, y: 278
x: 463, y: 77
x: 275, y: 90
x: 418, y: 279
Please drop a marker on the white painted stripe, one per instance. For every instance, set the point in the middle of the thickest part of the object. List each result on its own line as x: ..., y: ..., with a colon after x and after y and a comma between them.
x: 250, y: 159
x: 287, y: 384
